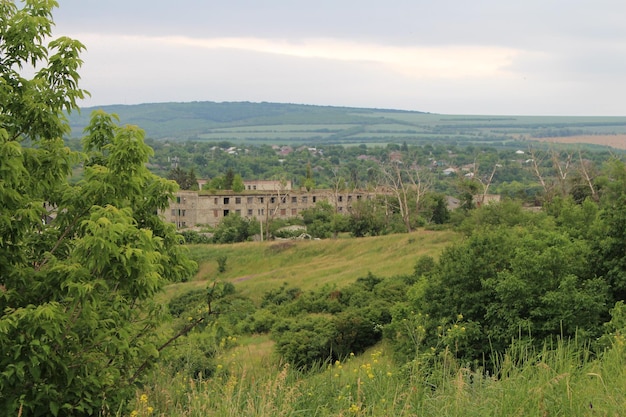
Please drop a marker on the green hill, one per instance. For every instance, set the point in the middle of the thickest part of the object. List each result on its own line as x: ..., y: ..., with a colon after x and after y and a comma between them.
x: 201, y: 120
x: 270, y: 123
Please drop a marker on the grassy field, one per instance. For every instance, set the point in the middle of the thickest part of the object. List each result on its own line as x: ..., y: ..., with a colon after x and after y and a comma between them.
x: 256, y: 267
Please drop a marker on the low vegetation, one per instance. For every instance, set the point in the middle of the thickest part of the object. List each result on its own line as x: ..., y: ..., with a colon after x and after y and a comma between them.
x: 511, y: 319
x: 384, y: 344
x: 103, y: 311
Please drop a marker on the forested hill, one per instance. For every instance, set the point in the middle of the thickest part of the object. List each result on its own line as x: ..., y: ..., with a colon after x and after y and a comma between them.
x: 279, y: 123
x: 190, y: 121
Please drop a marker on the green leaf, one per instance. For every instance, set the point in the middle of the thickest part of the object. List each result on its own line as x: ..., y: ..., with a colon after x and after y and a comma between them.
x: 54, y: 408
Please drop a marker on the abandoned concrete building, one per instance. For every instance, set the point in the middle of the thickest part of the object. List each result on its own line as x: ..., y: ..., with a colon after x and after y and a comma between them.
x: 260, y: 200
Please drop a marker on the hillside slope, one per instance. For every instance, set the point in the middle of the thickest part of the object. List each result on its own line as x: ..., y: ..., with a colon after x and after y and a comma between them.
x: 271, y: 123
x: 184, y: 121
x: 256, y: 267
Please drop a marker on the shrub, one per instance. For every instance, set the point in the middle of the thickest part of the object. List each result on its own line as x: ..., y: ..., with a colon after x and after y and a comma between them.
x: 193, y: 356
x: 221, y: 263
x: 178, y: 305
x: 193, y: 237
x: 305, y: 341
x: 280, y: 295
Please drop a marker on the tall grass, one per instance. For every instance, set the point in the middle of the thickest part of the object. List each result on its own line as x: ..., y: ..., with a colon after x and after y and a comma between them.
x: 564, y: 381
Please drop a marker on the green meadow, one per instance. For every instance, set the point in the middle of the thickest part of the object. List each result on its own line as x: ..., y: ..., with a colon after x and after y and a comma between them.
x: 256, y: 267
x: 563, y: 379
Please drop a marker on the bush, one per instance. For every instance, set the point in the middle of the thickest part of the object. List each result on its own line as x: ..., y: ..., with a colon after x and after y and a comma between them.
x: 261, y: 321
x: 508, y: 281
x: 234, y: 228
x: 193, y: 237
x: 221, y: 263
x: 280, y: 295
x: 193, y: 356
x: 184, y: 302
x: 305, y: 341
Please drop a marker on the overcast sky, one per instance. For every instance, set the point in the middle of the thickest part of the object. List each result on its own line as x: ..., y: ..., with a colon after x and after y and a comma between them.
x: 513, y: 57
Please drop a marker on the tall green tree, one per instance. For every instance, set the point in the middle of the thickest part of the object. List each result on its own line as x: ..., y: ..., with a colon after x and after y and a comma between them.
x: 238, y: 185
x: 229, y: 178
x: 79, y: 264
x: 186, y: 180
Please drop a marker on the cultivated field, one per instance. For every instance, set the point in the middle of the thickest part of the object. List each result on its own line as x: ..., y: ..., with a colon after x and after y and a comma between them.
x: 613, y: 141
x: 271, y: 123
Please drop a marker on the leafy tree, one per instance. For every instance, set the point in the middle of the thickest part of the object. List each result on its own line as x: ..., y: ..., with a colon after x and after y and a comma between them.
x: 467, y: 189
x: 234, y: 228
x: 216, y: 183
x: 504, y: 213
x: 439, y: 209
x: 238, y: 185
x: 226, y: 182
x: 319, y: 219
x: 229, y: 178
x: 516, y: 282
x: 186, y: 180
x: 79, y: 264
x: 308, y: 182
x: 366, y: 219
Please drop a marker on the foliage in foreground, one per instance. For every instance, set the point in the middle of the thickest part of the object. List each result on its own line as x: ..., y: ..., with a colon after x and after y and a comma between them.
x: 79, y: 264
x: 560, y: 381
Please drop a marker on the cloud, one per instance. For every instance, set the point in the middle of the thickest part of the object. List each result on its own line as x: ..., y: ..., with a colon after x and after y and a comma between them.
x: 485, y: 56
x: 412, y: 61
x: 471, y: 79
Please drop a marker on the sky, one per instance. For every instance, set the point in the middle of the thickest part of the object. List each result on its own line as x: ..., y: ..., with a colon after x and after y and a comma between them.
x: 479, y: 57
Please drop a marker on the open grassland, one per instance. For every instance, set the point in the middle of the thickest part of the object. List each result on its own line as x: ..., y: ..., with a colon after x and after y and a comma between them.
x: 256, y: 267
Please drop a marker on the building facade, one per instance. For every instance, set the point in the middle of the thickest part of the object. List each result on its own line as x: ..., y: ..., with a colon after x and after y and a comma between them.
x: 193, y: 208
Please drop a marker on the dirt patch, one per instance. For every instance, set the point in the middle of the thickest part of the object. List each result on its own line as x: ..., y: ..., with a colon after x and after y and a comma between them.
x: 614, y: 141
x: 281, y: 246
x: 244, y: 278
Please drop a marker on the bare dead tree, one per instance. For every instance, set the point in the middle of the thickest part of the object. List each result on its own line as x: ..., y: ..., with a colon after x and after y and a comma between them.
x: 556, y: 183
x: 536, y: 169
x: 338, y: 184
x: 280, y: 188
x: 485, y: 183
x: 392, y: 176
x: 421, y: 184
x: 405, y: 184
x: 562, y: 169
x: 585, y: 173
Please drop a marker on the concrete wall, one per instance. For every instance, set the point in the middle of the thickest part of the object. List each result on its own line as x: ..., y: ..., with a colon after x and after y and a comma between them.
x: 191, y: 208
